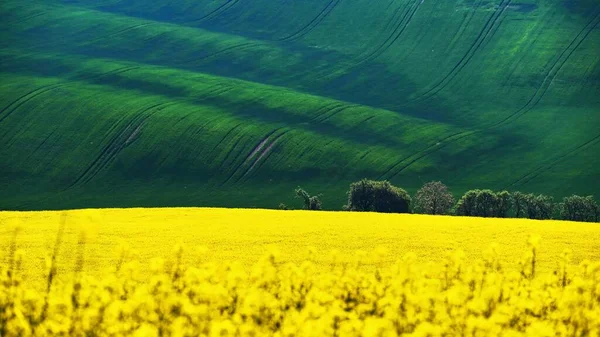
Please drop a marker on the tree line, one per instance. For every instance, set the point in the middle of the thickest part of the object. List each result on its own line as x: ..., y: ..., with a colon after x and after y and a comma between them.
x: 436, y: 199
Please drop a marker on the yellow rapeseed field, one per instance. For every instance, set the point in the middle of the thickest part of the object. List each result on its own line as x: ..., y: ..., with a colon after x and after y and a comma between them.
x: 217, y: 272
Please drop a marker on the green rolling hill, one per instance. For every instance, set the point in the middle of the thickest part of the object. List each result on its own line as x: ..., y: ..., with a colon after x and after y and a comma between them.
x: 234, y: 103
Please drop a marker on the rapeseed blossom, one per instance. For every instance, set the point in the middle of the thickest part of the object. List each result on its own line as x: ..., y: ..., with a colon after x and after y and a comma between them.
x: 176, y: 298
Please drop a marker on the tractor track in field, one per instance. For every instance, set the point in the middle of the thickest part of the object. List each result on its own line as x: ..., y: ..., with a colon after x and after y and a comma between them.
x: 118, y: 143
x: 526, y: 178
x: 27, y: 18
x: 324, y: 109
x: 12, y: 107
x: 141, y: 25
x: 394, y: 36
x: 333, y: 113
x: 226, y: 135
x: 217, y: 11
x: 313, y: 23
x: 256, y: 149
x: 266, y: 152
x: 484, y: 34
x: 529, y: 105
x: 463, y: 26
x: 241, y: 46
x: 331, y: 110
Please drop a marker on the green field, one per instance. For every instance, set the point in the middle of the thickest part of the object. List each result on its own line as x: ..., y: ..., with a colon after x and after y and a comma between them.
x: 234, y: 103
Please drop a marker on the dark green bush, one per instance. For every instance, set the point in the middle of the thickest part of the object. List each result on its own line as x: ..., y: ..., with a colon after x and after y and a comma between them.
x: 377, y: 196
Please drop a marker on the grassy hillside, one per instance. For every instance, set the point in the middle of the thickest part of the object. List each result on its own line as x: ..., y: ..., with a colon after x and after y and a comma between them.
x: 243, y: 236
x: 235, y: 103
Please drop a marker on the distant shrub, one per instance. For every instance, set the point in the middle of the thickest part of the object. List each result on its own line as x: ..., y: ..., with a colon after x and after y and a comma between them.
x: 312, y: 203
x: 578, y: 208
x: 377, y: 196
x: 283, y: 207
x: 433, y: 198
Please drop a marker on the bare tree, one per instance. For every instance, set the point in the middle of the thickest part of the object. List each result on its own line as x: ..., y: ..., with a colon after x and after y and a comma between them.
x: 433, y: 198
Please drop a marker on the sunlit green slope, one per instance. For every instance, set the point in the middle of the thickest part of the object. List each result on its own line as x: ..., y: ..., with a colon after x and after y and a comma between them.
x: 234, y: 103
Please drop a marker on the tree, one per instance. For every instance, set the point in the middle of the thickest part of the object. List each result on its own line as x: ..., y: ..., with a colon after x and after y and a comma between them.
x: 578, y: 208
x: 539, y: 207
x: 312, y: 203
x: 486, y: 202
x: 594, y: 209
x: 504, y: 200
x: 545, y: 205
x: 361, y: 196
x: 519, y: 202
x: 433, y: 198
x: 467, y: 205
x: 377, y: 196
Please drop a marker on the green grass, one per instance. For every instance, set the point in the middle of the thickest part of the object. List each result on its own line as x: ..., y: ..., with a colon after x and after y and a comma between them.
x: 164, y: 103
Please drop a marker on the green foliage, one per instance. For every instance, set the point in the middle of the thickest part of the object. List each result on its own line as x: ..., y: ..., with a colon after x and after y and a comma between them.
x: 484, y: 203
x: 519, y: 204
x: 311, y: 203
x: 433, y: 198
x: 504, y: 203
x: 377, y: 196
x: 578, y: 208
x: 540, y: 207
x: 467, y: 205
x: 282, y: 207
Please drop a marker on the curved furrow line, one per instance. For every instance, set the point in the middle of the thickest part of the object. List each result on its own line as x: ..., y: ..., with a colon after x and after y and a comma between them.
x: 40, y: 145
x: 412, y: 15
x: 225, y: 136
x: 529, y: 105
x: 335, y: 109
x: 541, y: 169
x: 241, y: 46
x: 26, y: 98
x: 264, y: 160
x: 394, y: 36
x: 122, y: 140
x: 489, y: 25
x: 267, y: 151
x: 216, y: 12
x: 136, y: 126
x: 426, y: 150
x: 27, y: 18
x: 551, y: 75
x: 121, y: 31
x: 235, y: 145
x: 313, y: 23
x: 109, y: 143
x: 325, y: 110
x: 334, y: 113
x: 463, y: 27
x: 213, y: 93
x: 393, y: 22
x: 255, y: 150
x: 4, y: 113
x: 117, y: 143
